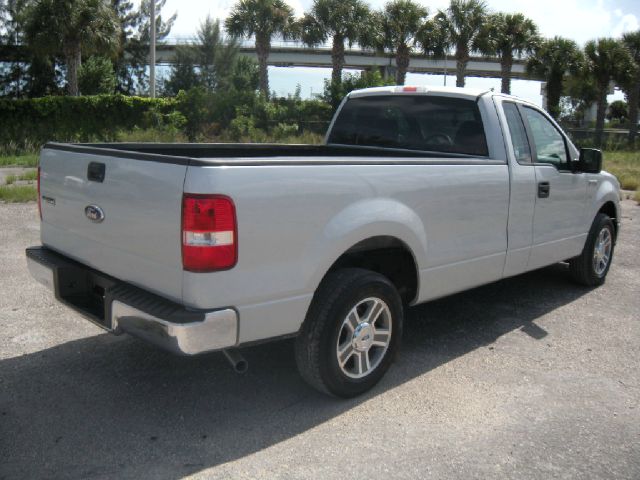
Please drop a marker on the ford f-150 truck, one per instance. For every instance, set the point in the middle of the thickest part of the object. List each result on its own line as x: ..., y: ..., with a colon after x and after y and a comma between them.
x: 417, y: 193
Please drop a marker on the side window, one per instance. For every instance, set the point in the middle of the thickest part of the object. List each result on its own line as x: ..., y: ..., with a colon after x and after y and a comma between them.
x: 549, y: 142
x: 518, y: 134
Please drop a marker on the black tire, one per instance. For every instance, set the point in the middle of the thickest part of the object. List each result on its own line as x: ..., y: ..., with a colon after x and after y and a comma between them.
x: 582, y: 267
x: 318, y: 341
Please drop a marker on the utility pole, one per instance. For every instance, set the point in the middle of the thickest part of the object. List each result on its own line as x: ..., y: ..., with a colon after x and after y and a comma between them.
x: 445, y: 69
x: 152, y: 59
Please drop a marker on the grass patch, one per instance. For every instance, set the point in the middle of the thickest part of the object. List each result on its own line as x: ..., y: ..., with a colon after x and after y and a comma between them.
x: 260, y: 136
x: 637, y: 196
x: 29, y: 176
x: 625, y: 166
x: 18, y: 193
x: 166, y: 135
x: 25, y: 160
x: 10, y: 179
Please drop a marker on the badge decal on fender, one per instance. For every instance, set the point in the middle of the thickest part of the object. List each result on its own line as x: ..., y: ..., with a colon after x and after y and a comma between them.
x: 94, y: 213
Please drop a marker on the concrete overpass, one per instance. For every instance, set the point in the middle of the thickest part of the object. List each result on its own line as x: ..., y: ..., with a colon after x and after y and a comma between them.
x: 301, y: 56
x: 293, y: 54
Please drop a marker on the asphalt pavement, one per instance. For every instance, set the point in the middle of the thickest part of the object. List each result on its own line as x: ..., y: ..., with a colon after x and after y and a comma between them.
x: 530, y: 377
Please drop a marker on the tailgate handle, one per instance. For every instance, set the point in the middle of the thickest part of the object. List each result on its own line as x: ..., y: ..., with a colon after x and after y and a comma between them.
x: 95, y: 172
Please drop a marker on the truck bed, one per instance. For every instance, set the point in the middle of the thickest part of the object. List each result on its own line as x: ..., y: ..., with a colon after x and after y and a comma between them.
x: 263, y: 154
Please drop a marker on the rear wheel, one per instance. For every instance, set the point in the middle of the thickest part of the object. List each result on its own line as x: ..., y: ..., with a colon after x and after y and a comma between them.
x: 351, y: 333
x: 592, y: 266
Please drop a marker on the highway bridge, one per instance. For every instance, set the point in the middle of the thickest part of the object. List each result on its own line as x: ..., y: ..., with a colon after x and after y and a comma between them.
x: 361, y: 59
x: 294, y: 54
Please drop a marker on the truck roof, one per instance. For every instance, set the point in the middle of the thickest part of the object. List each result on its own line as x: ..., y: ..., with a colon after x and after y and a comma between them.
x: 471, y: 93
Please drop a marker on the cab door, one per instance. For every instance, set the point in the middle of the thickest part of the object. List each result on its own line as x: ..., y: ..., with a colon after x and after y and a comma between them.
x: 522, y: 192
x: 558, y: 219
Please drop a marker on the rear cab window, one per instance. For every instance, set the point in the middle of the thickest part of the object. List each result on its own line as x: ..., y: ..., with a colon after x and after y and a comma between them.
x: 414, y: 122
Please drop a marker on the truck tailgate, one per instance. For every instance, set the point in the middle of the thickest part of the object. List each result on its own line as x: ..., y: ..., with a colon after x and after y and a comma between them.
x: 127, y: 225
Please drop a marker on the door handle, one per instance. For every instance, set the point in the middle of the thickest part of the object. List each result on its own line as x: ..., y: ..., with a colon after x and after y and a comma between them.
x: 543, y: 189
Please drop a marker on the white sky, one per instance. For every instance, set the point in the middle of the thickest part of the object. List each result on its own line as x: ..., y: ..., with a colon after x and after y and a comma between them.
x: 580, y: 20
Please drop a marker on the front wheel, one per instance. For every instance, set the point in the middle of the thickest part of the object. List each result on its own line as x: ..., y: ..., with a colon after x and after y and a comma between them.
x: 592, y: 266
x: 351, y: 333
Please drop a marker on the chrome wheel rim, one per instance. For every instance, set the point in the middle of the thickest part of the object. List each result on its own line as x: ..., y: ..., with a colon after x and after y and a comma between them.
x: 602, y: 251
x: 364, y: 337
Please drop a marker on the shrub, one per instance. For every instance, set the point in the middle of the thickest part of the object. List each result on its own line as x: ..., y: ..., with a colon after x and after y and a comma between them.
x: 80, y: 119
x: 198, y: 115
x: 335, y: 92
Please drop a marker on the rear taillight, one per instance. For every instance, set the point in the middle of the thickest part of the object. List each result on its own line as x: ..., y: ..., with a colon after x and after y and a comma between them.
x: 209, y: 233
x: 39, y: 196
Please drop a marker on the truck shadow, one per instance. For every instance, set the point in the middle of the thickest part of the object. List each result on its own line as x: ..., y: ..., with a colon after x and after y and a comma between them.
x: 114, y: 407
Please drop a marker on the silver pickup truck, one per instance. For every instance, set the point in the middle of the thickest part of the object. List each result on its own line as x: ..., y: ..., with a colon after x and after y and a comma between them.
x: 417, y: 193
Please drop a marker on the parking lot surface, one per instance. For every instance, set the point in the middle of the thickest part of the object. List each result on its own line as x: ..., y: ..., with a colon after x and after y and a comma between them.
x: 530, y: 377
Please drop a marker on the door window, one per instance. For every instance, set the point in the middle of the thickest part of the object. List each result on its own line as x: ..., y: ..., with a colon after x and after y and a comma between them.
x: 521, y: 148
x: 549, y: 143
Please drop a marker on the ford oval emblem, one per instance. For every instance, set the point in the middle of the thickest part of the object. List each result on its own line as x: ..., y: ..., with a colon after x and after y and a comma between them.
x: 94, y: 213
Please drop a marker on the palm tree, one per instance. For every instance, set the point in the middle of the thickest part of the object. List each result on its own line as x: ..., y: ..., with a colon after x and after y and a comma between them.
x: 340, y: 20
x: 397, y: 29
x: 508, y: 35
x: 262, y: 19
x: 462, y: 24
x: 607, y: 60
x: 71, y: 27
x: 552, y: 59
x: 632, y: 87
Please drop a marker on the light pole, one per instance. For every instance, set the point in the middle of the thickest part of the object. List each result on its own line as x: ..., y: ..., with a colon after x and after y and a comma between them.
x: 445, y: 69
x: 152, y: 53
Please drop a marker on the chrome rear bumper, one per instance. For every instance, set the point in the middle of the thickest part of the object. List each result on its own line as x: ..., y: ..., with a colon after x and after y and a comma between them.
x: 119, y: 307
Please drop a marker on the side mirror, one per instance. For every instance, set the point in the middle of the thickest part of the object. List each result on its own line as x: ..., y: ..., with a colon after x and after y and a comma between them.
x: 590, y: 160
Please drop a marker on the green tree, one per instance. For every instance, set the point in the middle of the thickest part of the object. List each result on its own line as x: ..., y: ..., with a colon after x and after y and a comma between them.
x: 210, y: 62
x: 339, y: 20
x: 262, y: 19
x: 246, y: 75
x: 579, y: 93
x: 552, y: 60
x: 28, y: 71
x: 5, y: 22
x: 461, y: 24
x: 216, y: 57
x: 508, y: 35
x: 632, y: 85
x: 606, y: 60
x: 12, y: 71
x: 183, y: 75
x: 618, y: 111
x: 126, y: 15
x: 396, y: 29
x: 69, y: 27
x: 96, y: 76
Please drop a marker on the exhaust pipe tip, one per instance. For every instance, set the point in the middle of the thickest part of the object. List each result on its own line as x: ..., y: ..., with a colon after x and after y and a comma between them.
x: 237, y: 361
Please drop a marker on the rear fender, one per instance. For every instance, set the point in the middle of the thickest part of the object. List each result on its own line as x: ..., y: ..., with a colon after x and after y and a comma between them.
x: 363, y: 220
